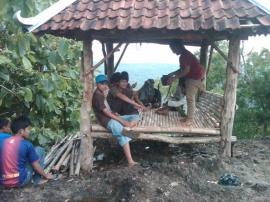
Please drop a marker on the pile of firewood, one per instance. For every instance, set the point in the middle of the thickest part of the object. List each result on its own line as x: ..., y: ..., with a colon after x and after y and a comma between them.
x: 64, y: 156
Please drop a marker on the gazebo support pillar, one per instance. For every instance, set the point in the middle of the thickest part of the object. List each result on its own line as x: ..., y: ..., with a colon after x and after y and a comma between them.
x: 203, y: 54
x: 228, y: 111
x: 110, y: 61
x: 203, y: 57
x: 86, y: 153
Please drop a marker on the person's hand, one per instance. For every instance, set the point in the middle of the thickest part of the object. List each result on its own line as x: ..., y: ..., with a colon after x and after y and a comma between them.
x: 171, y: 80
x: 138, y: 107
x: 49, y: 176
x: 145, y: 109
x: 125, y: 123
x: 133, y: 123
x: 129, y: 123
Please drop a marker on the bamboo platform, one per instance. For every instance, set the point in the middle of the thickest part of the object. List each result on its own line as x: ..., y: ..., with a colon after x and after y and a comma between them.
x: 169, y: 128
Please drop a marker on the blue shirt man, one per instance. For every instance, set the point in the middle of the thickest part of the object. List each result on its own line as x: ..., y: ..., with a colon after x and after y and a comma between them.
x: 4, y: 128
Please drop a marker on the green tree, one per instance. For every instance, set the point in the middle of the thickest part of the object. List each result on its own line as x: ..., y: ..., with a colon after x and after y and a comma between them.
x: 217, y: 72
x: 39, y: 76
x: 253, y: 115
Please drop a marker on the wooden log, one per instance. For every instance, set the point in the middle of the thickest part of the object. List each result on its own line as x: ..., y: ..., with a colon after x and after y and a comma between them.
x: 175, y: 140
x: 101, y: 61
x: 71, y: 163
x: 110, y: 60
x: 209, y: 61
x: 179, y: 140
x: 104, y: 55
x: 231, y: 63
x: 76, y: 155
x: 86, y: 139
x: 229, y: 97
x: 57, y: 166
x: 64, y: 166
x: 57, y: 156
x: 157, y: 129
x: 121, y: 56
x: 151, y: 129
x: 78, y: 163
x: 203, y: 53
x: 163, y: 137
x: 54, y: 149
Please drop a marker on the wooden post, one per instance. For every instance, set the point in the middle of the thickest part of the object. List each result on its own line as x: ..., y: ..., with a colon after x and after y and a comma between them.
x: 203, y: 54
x: 104, y: 55
x: 228, y: 111
x: 203, y: 60
x: 110, y: 61
x: 86, y: 153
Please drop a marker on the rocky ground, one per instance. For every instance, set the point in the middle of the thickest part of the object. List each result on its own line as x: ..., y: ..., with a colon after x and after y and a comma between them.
x: 166, y: 173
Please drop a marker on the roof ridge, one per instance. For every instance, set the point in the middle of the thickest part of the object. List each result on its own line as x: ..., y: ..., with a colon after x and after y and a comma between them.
x: 259, y: 5
x: 44, y: 16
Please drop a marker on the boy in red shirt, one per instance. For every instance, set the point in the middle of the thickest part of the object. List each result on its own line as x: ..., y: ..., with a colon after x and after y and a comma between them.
x: 20, y: 162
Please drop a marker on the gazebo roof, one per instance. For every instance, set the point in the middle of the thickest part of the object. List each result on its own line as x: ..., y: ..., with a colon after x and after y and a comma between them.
x: 157, y: 20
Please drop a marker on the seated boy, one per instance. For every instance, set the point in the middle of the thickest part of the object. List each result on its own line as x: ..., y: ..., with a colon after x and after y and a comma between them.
x: 111, y: 121
x: 4, y: 128
x: 127, y: 90
x: 121, y: 97
x: 18, y: 158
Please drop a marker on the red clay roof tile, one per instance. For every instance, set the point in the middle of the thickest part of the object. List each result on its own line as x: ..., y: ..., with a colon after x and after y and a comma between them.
x: 186, y: 15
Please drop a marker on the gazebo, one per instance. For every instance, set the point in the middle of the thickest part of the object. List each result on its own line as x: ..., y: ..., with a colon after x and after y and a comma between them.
x: 195, y: 22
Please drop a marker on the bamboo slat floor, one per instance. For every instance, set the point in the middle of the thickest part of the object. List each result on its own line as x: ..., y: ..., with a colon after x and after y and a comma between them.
x: 206, y: 122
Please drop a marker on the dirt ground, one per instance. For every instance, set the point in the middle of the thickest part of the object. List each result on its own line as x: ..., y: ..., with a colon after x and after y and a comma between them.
x: 166, y: 173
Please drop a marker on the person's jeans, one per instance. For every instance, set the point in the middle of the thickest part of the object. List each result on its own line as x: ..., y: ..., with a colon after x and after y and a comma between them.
x: 117, y: 128
x: 31, y: 174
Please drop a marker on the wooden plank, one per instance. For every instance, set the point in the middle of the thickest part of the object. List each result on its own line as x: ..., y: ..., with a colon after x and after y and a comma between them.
x: 155, y: 129
x: 229, y: 97
x: 168, y: 139
x: 230, y: 61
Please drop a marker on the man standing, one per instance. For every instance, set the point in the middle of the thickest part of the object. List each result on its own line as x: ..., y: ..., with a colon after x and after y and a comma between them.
x: 192, y: 71
x: 20, y: 162
x: 111, y: 121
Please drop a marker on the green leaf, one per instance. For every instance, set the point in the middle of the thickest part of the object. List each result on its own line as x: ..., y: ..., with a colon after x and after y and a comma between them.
x: 42, y: 140
x: 55, y: 58
x: 26, y: 63
x: 47, y: 85
x: 40, y: 101
x: 4, y: 76
x: 27, y: 94
x: 4, y: 60
x: 57, y: 111
x: 62, y: 48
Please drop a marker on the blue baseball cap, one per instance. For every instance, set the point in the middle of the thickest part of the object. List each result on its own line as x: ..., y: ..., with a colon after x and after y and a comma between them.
x: 101, y: 78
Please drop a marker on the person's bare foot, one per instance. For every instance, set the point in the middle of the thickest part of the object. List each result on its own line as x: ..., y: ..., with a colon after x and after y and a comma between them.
x: 42, y: 182
x: 187, y: 122
x: 133, y: 163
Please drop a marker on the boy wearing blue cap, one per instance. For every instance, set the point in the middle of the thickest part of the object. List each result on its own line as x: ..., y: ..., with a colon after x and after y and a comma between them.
x: 110, y: 120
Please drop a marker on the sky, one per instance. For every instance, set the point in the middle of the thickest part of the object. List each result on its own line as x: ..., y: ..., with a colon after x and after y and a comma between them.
x: 155, y: 53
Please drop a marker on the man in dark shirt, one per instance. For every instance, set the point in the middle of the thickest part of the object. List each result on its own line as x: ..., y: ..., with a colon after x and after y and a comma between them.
x: 192, y: 71
x: 121, y: 97
x: 111, y: 121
